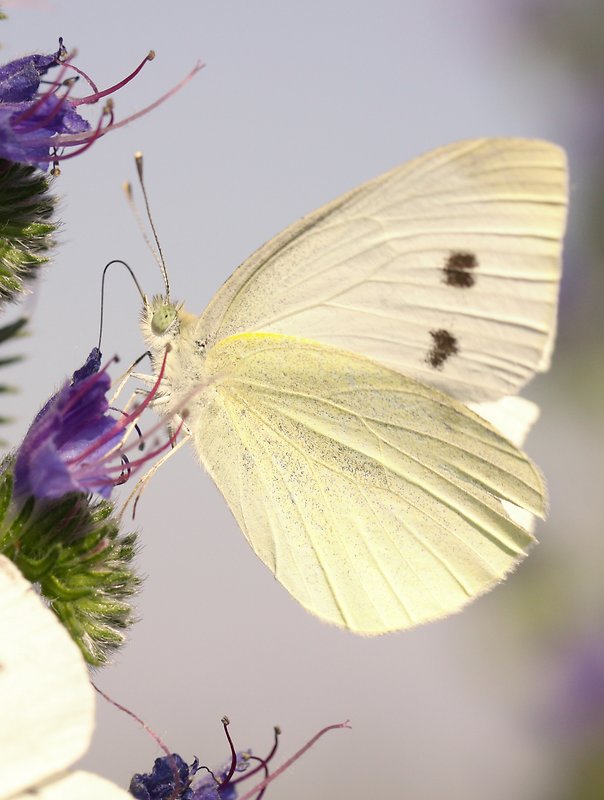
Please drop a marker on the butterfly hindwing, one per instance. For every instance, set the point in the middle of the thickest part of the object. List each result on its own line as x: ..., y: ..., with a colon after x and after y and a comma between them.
x: 374, y: 499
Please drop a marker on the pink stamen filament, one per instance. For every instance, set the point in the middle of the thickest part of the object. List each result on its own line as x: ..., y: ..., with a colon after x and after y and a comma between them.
x: 81, y: 72
x: 263, y: 766
x: 94, y: 98
x: 76, y: 138
x: 229, y: 775
x: 249, y: 795
x: 264, y: 762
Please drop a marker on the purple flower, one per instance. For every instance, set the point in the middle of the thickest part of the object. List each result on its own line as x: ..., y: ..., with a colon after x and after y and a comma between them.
x: 171, y: 779
x: 65, y: 448
x: 74, y: 445
x: 36, y: 126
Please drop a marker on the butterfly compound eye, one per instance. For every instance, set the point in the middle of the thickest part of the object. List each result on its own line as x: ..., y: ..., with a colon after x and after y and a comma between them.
x: 162, y: 319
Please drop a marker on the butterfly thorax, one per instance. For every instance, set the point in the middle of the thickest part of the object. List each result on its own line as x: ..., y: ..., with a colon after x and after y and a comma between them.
x: 166, y: 325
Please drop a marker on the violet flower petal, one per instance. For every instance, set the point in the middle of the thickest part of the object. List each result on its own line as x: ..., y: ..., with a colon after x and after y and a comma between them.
x: 20, y: 79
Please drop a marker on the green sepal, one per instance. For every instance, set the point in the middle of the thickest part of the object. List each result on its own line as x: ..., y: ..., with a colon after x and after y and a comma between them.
x: 72, y: 549
x: 8, y: 332
x: 6, y: 494
x: 26, y: 226
x: 12, y: 329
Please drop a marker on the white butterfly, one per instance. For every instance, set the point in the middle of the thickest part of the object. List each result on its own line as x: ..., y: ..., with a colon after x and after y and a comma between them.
x: 334, y: 372
x: 46, y: 702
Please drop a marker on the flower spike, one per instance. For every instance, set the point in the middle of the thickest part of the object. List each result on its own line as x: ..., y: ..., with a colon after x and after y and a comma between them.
x: 97, y: 95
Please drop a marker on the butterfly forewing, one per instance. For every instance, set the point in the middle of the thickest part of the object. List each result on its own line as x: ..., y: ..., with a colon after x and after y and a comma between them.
x: 375, y: 500
x: 445, y: 269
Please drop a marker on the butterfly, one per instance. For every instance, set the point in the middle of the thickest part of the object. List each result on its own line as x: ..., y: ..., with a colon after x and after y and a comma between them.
x: 47, y: 702
x: 351, y: 388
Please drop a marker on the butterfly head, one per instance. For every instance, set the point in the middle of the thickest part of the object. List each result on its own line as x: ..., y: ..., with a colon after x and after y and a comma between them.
x: 164, y: 322
x: 164, y: 317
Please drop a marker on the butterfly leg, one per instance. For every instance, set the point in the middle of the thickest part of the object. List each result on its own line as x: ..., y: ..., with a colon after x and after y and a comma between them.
x: 156, y: 401
x: 125, y: 410
x: 129, y: 373
x: 142, y: 483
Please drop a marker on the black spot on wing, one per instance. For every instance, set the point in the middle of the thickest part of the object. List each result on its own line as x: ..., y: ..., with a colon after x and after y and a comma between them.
x: 444, y: 344
x: 458, y: 270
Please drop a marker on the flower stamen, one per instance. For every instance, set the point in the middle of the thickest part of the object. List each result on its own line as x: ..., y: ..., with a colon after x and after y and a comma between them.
x: 96, y: 96
x: 263, y: 761
x: 75, y: 137
x: 225, y: 724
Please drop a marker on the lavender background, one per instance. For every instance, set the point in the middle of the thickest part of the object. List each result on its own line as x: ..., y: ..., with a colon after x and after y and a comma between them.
x: 299, y: 102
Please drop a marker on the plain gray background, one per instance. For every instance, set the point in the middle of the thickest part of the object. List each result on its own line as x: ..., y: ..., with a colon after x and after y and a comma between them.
x: 299, y: 102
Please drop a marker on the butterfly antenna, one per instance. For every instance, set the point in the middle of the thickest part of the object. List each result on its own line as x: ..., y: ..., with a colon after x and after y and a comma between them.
x: 136, y: 283
x: 127, y: 187
x: 138, y: 159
